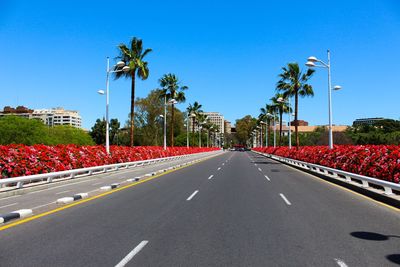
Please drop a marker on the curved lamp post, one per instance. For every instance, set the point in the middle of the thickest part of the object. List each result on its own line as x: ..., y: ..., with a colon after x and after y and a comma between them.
x: 120, y: 64
x: 311, y: 63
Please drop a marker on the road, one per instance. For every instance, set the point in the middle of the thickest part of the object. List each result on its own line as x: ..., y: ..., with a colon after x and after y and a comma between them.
x: 236, y: 209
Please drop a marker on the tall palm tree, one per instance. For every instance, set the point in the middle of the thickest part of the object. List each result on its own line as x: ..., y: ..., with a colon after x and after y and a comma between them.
x: 294, y: 83
x: 194, y: 109
x: 282, y: 108
x: 265, y: 115
x: 172, y: 90
x: 201, y: 120
x: 133, y: 56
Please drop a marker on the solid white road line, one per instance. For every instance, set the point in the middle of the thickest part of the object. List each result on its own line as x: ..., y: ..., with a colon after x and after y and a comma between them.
x: 10, y: 197
x: 9, y: 205
x: 260, y: 169
x: 285, y: 199
x: 44, y: 205
x: 192, y: 195
x: 341, y: 263
x: 132, y: 254
x: 211, y: 176
x: 62, y: 192
x: 266, y: 177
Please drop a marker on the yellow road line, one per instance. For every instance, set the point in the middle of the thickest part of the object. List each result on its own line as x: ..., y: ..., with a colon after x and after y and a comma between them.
x: 95, y: 197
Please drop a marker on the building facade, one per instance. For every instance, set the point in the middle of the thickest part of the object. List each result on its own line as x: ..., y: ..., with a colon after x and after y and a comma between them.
x: 227, y: 127
x: 366, y: 121
x: 51, y: 117
x: 214, y: 118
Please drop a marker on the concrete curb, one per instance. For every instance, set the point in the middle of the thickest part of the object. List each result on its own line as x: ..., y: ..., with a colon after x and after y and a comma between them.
x: 15, y: 215
x: 66, y: 200
x: 109, y: 187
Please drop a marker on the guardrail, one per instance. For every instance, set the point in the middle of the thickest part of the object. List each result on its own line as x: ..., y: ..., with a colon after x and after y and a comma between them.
x: 363, y: 181
x: 71, y: 174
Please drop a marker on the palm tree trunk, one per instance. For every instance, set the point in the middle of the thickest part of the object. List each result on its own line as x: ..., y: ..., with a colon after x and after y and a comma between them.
x: 280, y: 126
x: 296, y: 109
x: 172, y: 125
x: 132, y: 107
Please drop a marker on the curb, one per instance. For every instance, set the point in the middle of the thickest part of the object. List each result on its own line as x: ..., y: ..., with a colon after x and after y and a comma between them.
x: 15, y: 215
x: 109, y: 187
x: 66, y: 200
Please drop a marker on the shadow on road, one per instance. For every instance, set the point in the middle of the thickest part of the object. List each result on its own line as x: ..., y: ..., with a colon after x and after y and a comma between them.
x: 371, y: 236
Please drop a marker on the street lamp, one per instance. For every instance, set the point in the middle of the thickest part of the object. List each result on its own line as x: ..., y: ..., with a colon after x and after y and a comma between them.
x: 120, y: 64
x: 170, y: 102
x: 311, y: 63
x: 281, y: 100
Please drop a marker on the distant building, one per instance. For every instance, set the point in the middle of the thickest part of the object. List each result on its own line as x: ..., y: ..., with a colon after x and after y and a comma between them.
x: 366, y: 121
x: 309, y: 129
x: 213, y: 117
x: 227, y: 127
x: 299, y: 123
x: 51, y: 117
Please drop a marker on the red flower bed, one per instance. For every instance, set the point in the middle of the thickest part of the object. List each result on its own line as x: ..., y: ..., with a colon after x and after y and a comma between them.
x: 378, y: 161
x: 19, y: 160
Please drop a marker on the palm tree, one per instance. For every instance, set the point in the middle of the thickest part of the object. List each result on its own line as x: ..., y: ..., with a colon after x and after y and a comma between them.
x: 201, y: 120
x: 194, y: 110
x: 282, y: 108
x: 265, y: 115
x: 294, y: 83
x: 133, y: 57
x: 171, y: 90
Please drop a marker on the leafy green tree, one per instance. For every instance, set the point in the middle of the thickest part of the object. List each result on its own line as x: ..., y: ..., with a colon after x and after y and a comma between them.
x: 171, y: 89
x: 266, y: 115
x: 294, y: 83
x: 98, y: 132
x: 282, y: 108
x: 66, y: 134
x: 194, y: 110
x: 18, y: 130
x: 134, y: 58
x: 114, y: 129
x: 244, y: 127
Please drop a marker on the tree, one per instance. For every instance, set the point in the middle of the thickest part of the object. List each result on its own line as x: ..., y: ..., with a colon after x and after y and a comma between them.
x: 98, y: 132
x: 148, y: 123
x: 201, y: 121
x: 244, y: 127
x: 282, y: 108
x: 114, y: 130
x: 171, y: 89
x: 134, y: 58
x: 194, y: 110
x: 294, y: 83
x: 266, y: 115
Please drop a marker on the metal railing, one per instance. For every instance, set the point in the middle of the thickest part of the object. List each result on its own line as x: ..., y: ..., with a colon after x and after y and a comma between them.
x: 352, y: 178
x: 18, y: 182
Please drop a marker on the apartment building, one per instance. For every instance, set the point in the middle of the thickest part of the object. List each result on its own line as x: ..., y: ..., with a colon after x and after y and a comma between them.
x: 214, y: 118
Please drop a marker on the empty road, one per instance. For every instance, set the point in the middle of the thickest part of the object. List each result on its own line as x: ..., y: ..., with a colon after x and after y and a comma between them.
x: 235, y: 209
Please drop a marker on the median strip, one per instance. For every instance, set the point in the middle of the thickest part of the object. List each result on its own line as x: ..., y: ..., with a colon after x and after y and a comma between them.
x: 66, y: 200
x: 15, y: 215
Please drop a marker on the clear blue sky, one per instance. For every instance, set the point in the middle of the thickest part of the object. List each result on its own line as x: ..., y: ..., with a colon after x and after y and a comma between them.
x: 53, y: 53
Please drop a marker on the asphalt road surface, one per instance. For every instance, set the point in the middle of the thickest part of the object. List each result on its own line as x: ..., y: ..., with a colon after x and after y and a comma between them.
x: 236, y: 209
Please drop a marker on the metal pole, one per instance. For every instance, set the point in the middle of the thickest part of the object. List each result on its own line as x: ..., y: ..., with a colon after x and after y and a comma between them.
x: 266, y: 133
x: 165, y: 122
x: 187, y: 130
x: 208, y: 133
x: 275, y: 128
x: 330, y: 101
x: 290, y: 130
x: 107, y: 103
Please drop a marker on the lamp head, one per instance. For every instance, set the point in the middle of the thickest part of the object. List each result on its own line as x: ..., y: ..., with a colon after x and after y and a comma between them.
x: 312, y: 59
x: 337, y: 87
x: 126, y: 69
x: 120, y: 64
x: 101, y: 92
x: 310, y: 64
